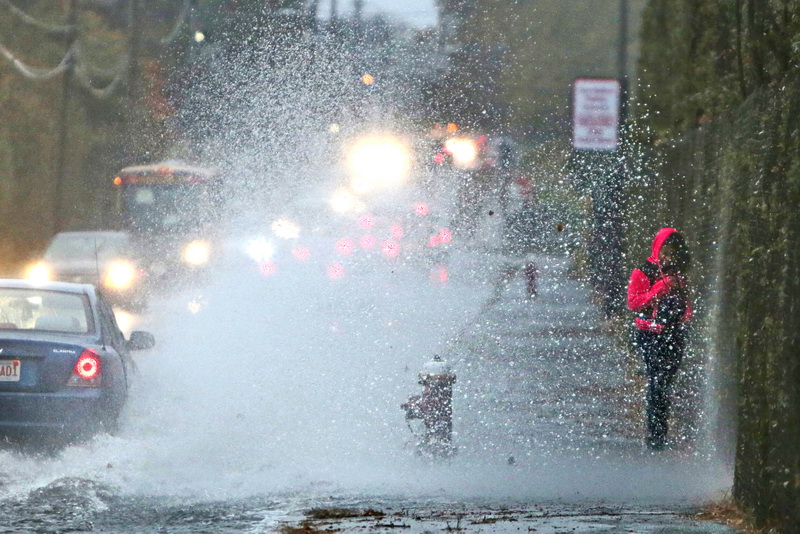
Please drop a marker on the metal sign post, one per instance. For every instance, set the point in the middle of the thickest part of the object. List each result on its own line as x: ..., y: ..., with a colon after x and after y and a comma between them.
x: 596, y: 115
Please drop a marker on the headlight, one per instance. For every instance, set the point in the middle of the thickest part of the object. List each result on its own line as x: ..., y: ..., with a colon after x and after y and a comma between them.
x: 285, y: 229
x: 119, y: 275
x: 260, y: 250
x: 39, y: 272
x: 378, y: 162
x: 464, y: 151
x: 197, y: 253
x: 344, y: 201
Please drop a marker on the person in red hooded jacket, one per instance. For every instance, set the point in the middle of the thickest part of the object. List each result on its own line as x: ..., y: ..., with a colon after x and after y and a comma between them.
x: 658, y: 294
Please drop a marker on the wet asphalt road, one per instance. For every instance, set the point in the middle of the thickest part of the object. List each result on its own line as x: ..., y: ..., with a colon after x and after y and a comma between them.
x: 544, y: 398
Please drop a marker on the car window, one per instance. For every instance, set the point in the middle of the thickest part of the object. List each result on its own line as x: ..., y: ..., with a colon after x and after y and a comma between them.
x: 103, y: 247
x: 43, y: 310
x: 111, y: 332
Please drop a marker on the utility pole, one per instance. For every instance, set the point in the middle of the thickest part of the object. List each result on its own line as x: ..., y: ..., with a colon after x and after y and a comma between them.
x: 609, y: 200
x: 134, y: 45
x: 63, y: 134
x: 622, y: 54
x: 605, y: 174
x: 131, y: 146
x: 334, y: 12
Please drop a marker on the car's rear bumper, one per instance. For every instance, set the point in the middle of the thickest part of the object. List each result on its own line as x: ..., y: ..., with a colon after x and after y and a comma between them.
x: 64, y: 413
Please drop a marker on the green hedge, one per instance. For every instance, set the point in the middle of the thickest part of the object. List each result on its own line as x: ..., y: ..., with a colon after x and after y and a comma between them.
x: 733, y: 187
x: 720, y: 102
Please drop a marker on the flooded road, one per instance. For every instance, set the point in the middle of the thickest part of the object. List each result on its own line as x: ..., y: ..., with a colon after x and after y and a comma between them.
x: 263, y: 402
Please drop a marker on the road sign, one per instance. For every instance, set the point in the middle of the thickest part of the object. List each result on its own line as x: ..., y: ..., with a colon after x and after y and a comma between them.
x: 596, y: 113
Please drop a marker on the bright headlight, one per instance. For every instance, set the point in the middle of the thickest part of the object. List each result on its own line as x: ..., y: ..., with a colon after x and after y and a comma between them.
x: 378, y: 162
x: 344, y: 201
x: 285, y: 229
x: 464, y: 151
x: 120, y: 275
x: 260, y: 249
x: 38, y: 273
x: 197, y: 253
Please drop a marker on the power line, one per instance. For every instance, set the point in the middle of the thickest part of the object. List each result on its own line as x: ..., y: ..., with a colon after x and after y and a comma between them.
x: 36, y: 73
x: 63, y: 133
x: 85, y: 72
x: 176, y: 30
x: 55, y: 30
x: 93, y: 71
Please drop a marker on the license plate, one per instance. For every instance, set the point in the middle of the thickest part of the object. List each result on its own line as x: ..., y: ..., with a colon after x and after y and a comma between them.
x: 9, y: 370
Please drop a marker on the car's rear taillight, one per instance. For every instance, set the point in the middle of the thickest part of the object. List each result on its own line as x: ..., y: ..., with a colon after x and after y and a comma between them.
x: 88, y: 369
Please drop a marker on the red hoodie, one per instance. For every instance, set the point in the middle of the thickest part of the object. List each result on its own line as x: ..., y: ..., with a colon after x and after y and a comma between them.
x: 648, y: 284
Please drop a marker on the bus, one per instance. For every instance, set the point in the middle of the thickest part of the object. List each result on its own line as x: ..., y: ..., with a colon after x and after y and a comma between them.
x: 172, y: 211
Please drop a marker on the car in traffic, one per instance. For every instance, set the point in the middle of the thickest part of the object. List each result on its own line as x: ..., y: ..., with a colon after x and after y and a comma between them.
x: 106, y: 259
x: 65, y: 366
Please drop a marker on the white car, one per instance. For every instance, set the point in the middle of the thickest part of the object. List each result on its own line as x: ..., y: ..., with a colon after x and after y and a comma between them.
x: 105, y: 259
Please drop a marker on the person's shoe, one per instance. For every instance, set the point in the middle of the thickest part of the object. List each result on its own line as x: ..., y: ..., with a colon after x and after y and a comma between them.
x: 656, y: 444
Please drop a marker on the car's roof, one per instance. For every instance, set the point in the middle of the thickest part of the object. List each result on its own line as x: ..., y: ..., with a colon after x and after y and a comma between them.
x: 94, y: 233
x: 64, y: 287
x: 172, y: 166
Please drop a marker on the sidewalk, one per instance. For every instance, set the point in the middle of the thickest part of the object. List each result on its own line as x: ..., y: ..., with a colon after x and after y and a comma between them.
x: 548, y: 421
x: 546, y: 368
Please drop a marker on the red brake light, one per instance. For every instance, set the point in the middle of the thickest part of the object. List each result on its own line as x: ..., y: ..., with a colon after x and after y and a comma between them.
x: 366, y: 222
x: 336, y: 271
x: 88, y: 365
x: 267, y: 268
x: 301, y: 253
x: 366, y: 241
x: 390, y: 248
x: 345, y: 246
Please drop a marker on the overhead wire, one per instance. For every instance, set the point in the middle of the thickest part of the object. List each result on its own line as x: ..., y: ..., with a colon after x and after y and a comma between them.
x: 37, y: 73
x: 84, y: 73
x: 176, y: 29
x: 52, y: 29
x: 95, y: 71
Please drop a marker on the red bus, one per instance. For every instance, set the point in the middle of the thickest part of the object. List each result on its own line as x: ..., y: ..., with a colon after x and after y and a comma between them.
x: 172, y: 211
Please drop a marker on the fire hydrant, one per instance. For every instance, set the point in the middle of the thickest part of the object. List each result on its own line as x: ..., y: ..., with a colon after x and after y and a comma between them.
x: 435, y: 408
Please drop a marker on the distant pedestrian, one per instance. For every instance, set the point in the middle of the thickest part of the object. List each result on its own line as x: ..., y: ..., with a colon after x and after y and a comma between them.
x: 658, y: 294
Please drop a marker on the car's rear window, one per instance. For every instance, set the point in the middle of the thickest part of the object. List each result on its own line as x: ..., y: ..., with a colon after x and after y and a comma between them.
x: 44, y: 310
x: 102, y: 247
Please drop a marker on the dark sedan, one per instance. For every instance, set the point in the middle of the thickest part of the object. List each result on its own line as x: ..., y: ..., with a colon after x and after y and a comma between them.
x: 65, y: 366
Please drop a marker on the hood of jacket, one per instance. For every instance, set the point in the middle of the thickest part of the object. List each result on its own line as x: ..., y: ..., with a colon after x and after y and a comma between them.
x: 658, y: 242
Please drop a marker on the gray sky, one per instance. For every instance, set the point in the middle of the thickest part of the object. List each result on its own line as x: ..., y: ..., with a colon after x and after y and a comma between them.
x: 419, y: 13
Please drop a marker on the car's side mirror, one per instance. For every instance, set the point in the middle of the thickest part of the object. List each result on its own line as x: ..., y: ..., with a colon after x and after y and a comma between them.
x: 140, y: 340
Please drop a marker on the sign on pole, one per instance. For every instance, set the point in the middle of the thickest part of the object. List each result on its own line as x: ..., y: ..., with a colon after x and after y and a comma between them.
x: 596, y: 114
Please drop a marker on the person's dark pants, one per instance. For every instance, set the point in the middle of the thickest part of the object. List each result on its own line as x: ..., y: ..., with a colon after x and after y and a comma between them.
x: 662, y: 355
x: 531, y: 274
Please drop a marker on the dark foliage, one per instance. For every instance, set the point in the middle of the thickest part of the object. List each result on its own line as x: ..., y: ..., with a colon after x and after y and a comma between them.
x: 722, y: 95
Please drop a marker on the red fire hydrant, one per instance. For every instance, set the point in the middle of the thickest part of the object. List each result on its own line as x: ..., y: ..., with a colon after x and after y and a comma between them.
x: 435, y: 408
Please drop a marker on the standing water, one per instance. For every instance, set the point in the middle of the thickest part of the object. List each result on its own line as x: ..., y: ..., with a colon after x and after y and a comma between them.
x: 275, y: 386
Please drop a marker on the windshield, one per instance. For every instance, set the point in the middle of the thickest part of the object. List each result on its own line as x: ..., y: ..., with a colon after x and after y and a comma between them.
x: 168, y: 207
x: 103, y: 247
x: 43, y: 310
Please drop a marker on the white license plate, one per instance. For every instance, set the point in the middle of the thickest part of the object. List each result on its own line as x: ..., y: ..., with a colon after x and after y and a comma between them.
x: 9, y: 370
